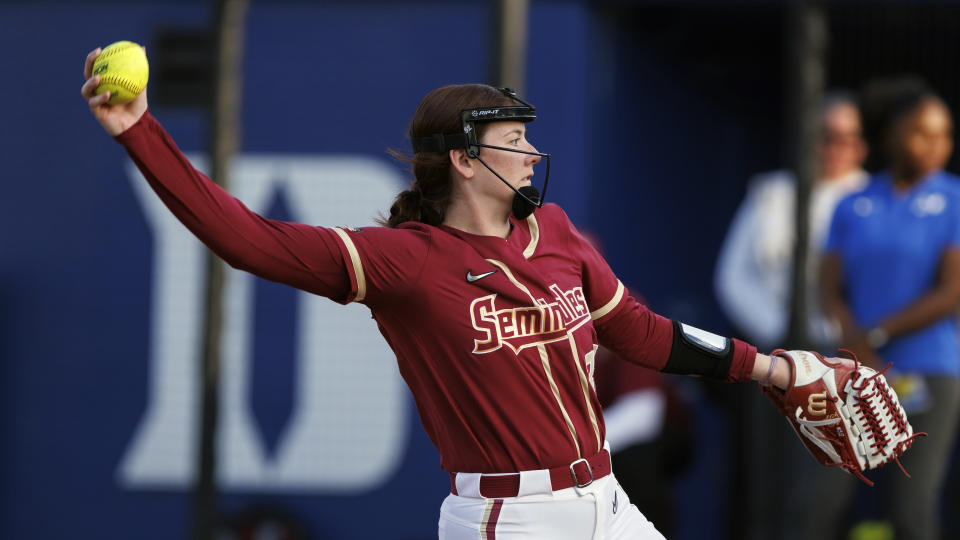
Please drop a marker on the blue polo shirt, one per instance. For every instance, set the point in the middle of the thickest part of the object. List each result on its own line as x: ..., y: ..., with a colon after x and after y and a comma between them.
x: 891, y: 244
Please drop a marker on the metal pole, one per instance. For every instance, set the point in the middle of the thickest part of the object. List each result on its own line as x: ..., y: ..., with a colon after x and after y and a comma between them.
x: 510, y: 37
x: 807, y: 50
x: 770, y: 445
x: 225, y: 134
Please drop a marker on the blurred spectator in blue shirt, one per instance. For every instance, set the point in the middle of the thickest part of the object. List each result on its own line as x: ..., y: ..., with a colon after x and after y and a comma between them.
x: 891, y: 280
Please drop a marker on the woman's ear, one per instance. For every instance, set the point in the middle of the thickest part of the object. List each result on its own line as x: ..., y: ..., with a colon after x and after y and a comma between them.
x: 461, y: 163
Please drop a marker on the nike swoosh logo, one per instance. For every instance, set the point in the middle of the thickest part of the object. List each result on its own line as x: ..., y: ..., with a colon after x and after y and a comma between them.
x: 614, y: 502
x: 471, y: 278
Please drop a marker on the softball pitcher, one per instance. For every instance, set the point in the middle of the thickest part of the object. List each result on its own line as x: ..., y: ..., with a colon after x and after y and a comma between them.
x: 492, y: 301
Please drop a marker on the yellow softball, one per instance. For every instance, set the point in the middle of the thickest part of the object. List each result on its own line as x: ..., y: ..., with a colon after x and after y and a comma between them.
x: 123, y: 71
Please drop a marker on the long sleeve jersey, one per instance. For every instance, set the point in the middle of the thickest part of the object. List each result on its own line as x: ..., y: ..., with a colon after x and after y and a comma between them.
x: 495, y: 338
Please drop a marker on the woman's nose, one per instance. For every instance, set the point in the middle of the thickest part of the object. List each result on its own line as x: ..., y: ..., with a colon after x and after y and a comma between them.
x: 534, y: 159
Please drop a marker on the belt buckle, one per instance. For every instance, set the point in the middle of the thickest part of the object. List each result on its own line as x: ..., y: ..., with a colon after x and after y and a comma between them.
x: 573, y: 473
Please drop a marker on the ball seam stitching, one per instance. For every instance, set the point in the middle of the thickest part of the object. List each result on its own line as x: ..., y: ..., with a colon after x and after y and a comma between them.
x: 122, y: 82
x: 111, y: 52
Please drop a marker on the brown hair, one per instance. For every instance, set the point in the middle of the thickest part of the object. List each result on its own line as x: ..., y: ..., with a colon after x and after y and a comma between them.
x: 439, y: 112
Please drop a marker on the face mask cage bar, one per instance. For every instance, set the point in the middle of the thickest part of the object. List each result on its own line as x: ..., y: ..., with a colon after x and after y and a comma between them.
x: 467, y: 139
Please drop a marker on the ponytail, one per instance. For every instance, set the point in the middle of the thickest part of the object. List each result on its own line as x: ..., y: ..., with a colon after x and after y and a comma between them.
x: 429, y: 195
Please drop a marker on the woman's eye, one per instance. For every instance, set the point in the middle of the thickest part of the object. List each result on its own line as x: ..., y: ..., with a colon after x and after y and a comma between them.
x: 515, y: 142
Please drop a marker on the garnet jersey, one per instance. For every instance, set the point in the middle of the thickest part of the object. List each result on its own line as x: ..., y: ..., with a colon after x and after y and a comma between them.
x: 495, y: 338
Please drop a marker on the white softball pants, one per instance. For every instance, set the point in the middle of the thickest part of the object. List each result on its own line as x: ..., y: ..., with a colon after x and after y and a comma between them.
x: 600, y: 511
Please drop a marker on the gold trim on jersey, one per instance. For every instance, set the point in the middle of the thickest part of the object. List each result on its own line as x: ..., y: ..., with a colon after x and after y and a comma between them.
x: 577, y: 311
x: 608, y: 307
x: 512, y: 278
x: 585, y: 386
x: 534, y: 236
x: 545, y: 360
x: 355, y: 261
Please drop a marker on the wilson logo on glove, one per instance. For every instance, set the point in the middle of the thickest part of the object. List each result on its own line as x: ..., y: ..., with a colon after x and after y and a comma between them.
x: 853, y: 418
x: 818, y: 404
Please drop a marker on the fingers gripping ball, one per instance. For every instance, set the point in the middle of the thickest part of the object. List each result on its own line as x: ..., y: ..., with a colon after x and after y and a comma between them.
x: 123, y: 71
x: 846, y: 415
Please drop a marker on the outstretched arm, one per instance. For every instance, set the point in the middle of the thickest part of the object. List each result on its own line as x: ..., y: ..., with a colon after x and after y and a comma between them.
x: 303, y: 256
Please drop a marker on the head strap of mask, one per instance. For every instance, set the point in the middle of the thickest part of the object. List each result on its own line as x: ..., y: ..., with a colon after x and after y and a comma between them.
x: 527, y: 198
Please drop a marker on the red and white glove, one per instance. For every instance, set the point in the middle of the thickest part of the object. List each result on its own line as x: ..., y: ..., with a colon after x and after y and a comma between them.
x: 845, y: 413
